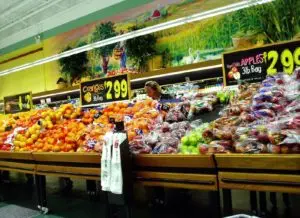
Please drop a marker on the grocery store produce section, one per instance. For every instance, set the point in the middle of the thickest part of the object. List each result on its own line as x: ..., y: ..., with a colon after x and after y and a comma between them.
x: 260, y: 118
x: 171, y: 145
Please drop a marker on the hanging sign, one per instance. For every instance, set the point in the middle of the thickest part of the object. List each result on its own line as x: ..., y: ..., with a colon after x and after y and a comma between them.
x: 104, y: 90
x: 253, y: 65
x: 18, y: 103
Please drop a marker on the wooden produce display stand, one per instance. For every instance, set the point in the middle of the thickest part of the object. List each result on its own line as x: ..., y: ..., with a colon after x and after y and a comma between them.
x: 258, y: 172
x: 176, y: 171
x: 17, y: 162
x: 66, y: 165
x: 72, y: 165
x: 196, y: 172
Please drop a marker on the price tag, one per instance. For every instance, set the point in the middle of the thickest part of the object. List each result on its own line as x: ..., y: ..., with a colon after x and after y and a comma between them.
x: 116, y: 88
x: 253, y: 65
x: 18, y: 103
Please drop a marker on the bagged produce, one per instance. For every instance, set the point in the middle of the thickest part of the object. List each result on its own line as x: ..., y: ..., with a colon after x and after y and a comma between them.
x: 250, y: 145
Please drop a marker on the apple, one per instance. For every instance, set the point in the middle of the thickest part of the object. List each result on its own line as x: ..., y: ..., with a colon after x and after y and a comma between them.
x: 285, y: 149
x: 185, y: 140
x: 193, y: 141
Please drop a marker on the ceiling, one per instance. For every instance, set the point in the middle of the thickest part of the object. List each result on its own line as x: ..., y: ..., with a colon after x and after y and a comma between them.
x: 21, y: 19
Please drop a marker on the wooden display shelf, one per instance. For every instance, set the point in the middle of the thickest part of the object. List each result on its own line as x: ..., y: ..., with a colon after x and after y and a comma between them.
x: 177, y: 171
x: 286, y: 183
x: 92, y: 158
x: 75, y: 165
x: 177, y: 161
x: 17, y: 161
x: 290, y: 162
x: 259, y: 172
x: 7, y: 155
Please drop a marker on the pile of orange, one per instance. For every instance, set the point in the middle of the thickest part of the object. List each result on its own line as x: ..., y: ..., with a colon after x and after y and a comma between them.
x: 116, y: 111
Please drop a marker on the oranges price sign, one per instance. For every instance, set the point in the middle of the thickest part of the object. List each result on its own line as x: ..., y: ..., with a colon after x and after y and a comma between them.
x: 104, y: 90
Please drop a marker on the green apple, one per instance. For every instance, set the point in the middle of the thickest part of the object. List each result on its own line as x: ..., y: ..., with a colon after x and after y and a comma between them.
x: 195, y: 150
x: 193, y: 141
x: 190, y: 149
x: 185, y: 140
x: 183, y: 148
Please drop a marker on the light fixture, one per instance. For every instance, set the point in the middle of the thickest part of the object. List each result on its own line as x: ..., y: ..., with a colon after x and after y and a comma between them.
x: 178, y: 72
x: 55, y: 94
x: 141, y: 32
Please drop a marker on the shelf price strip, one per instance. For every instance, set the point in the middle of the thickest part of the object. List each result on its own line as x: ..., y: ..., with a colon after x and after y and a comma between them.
x: 104, y: 90
x: 253, y: 65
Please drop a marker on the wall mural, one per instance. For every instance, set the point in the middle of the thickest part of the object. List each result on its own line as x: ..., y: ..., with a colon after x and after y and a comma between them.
x: 186, y: 44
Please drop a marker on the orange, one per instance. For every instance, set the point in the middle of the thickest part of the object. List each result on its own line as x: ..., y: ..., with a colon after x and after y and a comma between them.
x: 148, y: 102
x: 116, y: 109
x: 131, y: 135
x: 154, y: 114
x: 145, y: 131
x: 153, y: 104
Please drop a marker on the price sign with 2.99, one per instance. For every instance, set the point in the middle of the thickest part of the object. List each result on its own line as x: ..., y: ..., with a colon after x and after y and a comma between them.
x: 116, y: 88
x: 285, y: 60
x: 253, y: 65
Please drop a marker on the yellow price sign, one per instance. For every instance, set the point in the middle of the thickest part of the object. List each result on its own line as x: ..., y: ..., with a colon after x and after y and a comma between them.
x: 287, y: 59
x: 116, y: 88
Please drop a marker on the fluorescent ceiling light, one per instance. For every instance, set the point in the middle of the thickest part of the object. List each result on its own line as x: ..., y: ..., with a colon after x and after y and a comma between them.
x: 178, y: 72
x: 55, y: 94
x: 141, y: 32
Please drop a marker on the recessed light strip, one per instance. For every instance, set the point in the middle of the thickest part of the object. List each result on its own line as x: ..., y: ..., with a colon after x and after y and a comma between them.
x: 144, y: 31
x: 178, y: 72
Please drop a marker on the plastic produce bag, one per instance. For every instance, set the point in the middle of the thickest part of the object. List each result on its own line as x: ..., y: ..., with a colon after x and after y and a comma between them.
x: 250, y: 145
x: 116, y: 180
x: 106, y: 162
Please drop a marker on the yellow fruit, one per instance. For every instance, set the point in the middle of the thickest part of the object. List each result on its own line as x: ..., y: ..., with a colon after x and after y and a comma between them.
x: 18, y: 136
x: 31, y: 130
x: 56, y: 148
x: 27, y: 134
x: 23, y: 139
x: 34, y: 137
x: 29, y: 141
x: 22, y: 144
x: 17, y: 143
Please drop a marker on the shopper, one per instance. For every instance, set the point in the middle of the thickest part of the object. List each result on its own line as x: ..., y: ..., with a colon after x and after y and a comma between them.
x: 154, y: 91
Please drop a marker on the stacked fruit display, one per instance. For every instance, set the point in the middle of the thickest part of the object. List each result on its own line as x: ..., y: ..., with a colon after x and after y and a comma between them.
x: 260, y: 118
x: 264, y: 118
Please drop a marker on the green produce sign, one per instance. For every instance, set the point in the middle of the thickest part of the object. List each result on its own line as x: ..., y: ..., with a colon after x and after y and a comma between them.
x: 109, y: 89
x: 252, y: 65
x: 18, y: 103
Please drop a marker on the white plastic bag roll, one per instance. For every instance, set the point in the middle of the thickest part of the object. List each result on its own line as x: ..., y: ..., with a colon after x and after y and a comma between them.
x: 106, y: 162
x: 116, y: 184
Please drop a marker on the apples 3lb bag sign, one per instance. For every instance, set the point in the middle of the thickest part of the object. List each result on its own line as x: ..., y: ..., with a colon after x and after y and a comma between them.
x: 253, y: 65
x: 104, y: 90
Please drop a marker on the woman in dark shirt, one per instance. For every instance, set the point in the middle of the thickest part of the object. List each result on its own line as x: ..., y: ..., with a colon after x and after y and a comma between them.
x: 154, y: 91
